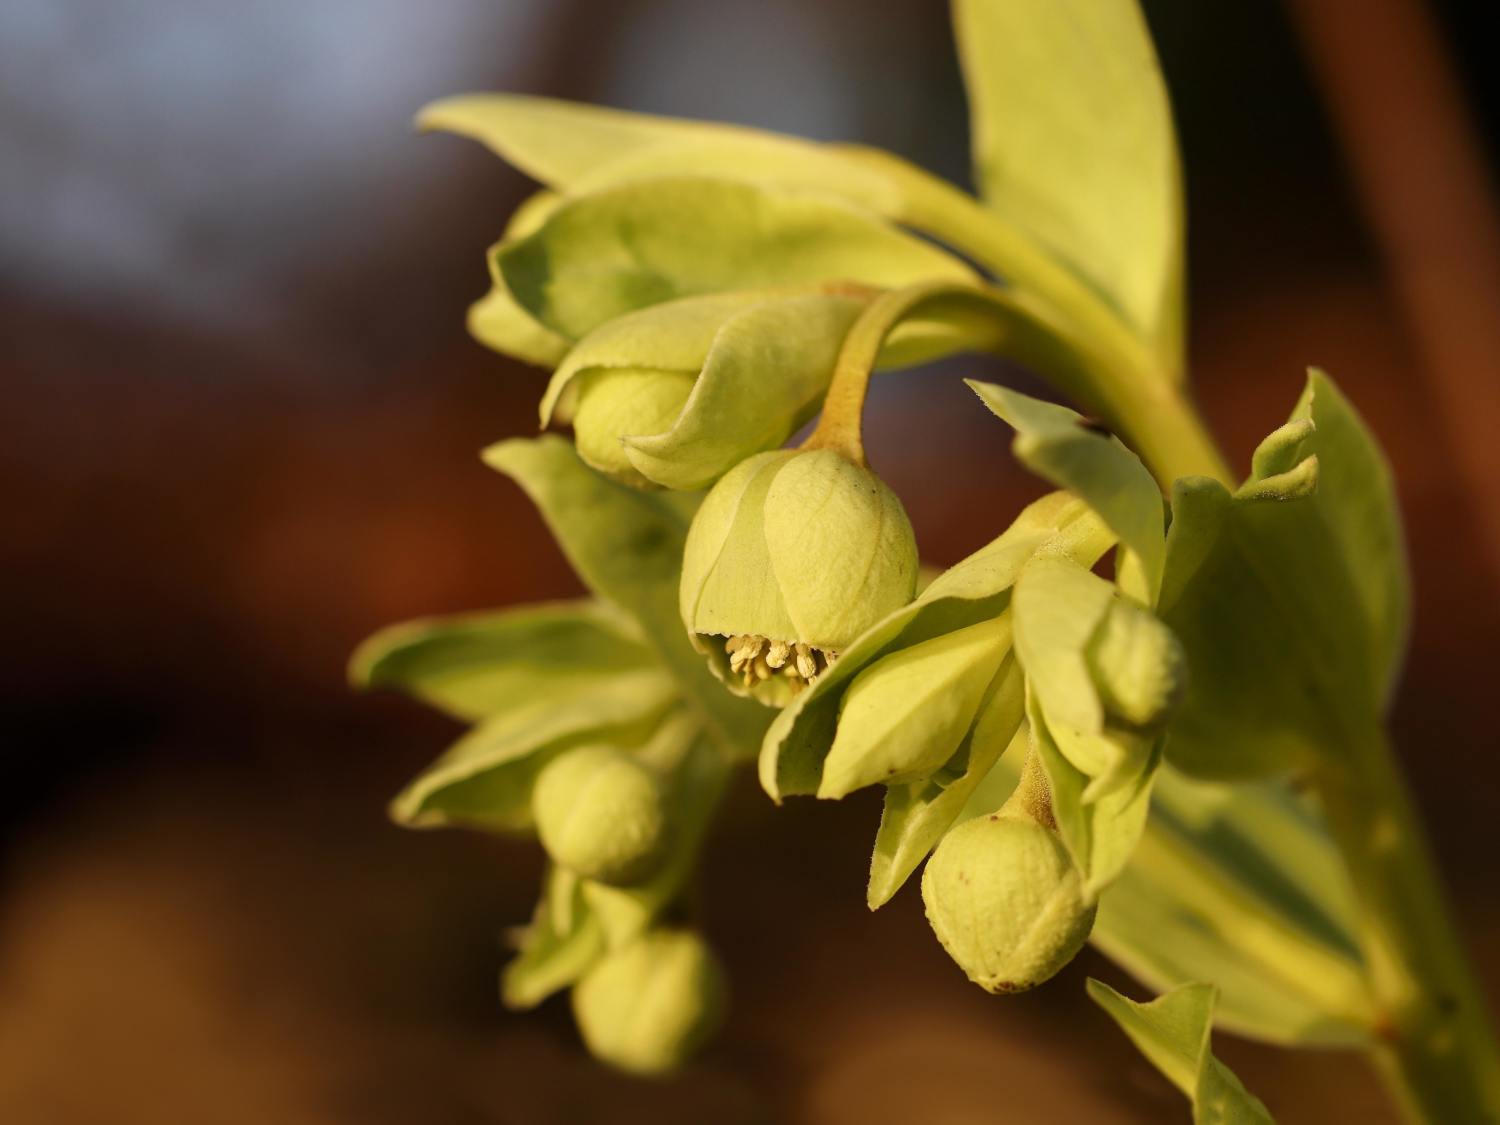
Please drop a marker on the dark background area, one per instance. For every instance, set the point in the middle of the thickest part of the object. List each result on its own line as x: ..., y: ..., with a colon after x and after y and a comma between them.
x: 241, y: 419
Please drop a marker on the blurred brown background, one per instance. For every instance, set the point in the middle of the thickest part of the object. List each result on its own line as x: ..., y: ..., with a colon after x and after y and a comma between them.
x: 241, y: 418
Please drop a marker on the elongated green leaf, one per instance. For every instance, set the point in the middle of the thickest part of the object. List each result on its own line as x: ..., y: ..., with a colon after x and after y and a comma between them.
x: 627, y: 546
x: 1222, y: 902
x: 1063, y: 448
x: 485, y: 778
x: 1073, y: 142
x: 581, y: 148
x: 553, y: 956
x: 614, y: 251
x: 904, y: 715
x: 475, y: 665
x: 976, y: 589
x: 1173, y: 1032
x: 917, y: 814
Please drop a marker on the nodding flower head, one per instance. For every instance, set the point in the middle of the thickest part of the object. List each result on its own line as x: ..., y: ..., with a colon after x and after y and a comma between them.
x: 792, y: 555
x: 1006, y: 901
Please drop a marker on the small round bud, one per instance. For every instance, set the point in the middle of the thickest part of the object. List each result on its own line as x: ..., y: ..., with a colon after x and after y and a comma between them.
x: 1137, y: 665
x: 792, y: 555
x: 647, y: 1007
x: 600, y: 813
x: 1006, y: 902
x: 620, y: 402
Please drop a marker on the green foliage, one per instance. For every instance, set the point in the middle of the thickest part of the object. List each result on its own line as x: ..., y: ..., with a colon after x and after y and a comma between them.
x: 904, y: 715
x: 1173, y: 1032
x: 580, y: 148
x: 1073, y: 142
x: 1063, y: 448
x: 627, y: 546
x: 485, y: 779
x: 623, y: 248
x: 1289, y: 595
x: 475, y: 665
x: 1241, y: 885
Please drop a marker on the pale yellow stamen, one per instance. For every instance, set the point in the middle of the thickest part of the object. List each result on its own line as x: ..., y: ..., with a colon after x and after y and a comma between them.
x: 755, y: 659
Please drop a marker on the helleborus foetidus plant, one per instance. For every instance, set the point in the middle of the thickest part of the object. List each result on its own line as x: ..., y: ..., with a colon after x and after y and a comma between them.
x: 1147, y: 714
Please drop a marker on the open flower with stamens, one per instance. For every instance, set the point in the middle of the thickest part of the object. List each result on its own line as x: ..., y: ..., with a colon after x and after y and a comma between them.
x: 793, y: 554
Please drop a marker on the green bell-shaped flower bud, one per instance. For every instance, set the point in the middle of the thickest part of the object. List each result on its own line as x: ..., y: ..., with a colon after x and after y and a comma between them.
x: 645, y: 1008
x: 793, y: 554
x: 1006, y: 901
x: 601, y: 814
x: 617, y: 402
x: 1137, y: 666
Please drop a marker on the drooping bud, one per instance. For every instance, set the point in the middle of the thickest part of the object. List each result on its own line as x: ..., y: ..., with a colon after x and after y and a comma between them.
x: 1006, y: 901
x: 618, y: 402
x: 1137, y: 665
x: 645, y: 1008
x: 601, y: 814
x: 792, y: 555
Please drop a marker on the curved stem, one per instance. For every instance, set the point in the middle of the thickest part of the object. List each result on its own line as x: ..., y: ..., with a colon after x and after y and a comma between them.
x: 1437, y: 1051
x: 1136, y: 390
x: 839, y: 424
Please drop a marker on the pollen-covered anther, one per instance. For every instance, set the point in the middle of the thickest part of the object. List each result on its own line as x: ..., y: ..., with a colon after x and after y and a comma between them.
x: 756, y: 659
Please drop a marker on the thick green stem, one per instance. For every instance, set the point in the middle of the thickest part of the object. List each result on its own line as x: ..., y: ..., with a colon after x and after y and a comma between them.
x: 1135, y: 389
x: 1437, y: 1051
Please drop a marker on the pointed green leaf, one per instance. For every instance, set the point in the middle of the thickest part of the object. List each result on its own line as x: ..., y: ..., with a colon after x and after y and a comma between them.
x: 1241, y: 885
x: 605, y: 254
x: 1356, y: 502
x: 906, y: 714
x: 627, y: 546
x: 485, y: 778
x: 917, y: 814
x: 1073, y: 142
x: 582, y: 148
x: 1302, y: 594
x: 552, y: 957
x: 475, y: 665
x: 1173, y: 1032
x: 1063, y: 448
